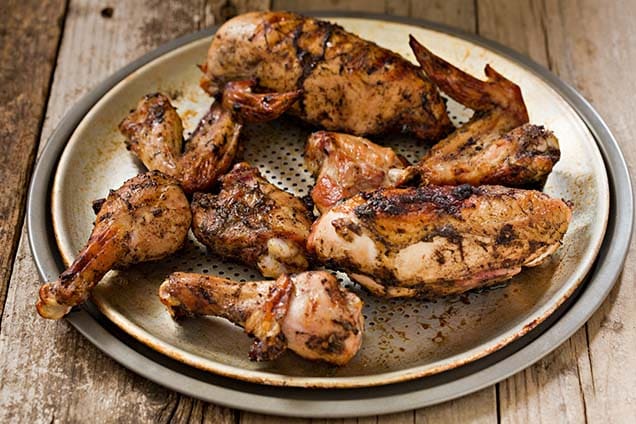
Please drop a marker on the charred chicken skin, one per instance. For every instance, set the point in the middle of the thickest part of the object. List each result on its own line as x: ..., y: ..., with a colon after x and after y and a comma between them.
x: 253, y: 221
x: 434, y: 241
x: 154, y: 133
x: 344, y: 165
x: 146, y: 219
x: 349, y: 84
x: 308, y: 313
x: 497, y: 146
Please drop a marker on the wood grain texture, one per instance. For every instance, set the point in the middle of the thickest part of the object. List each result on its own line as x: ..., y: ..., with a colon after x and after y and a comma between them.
x: 48, y: 372
x: 28, y: 46
x: 456, y: 13
x: 584, y: 42
x: 592, y: 47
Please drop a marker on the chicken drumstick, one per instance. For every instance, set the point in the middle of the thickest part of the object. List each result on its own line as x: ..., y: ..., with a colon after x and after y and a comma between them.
x: 308, y: 313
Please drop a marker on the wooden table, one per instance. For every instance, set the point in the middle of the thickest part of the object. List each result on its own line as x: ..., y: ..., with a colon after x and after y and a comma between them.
x: 54, y: 51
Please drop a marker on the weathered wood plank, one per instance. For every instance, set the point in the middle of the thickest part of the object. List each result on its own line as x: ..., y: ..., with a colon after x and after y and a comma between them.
x: 28, y: 46
x: 48, y: 372
x: 457, y: 13
x: 592, y: 46
x: 477, y: 408
x: 585, y: 43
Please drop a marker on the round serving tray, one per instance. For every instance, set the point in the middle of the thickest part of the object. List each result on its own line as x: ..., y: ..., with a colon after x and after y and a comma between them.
x: 349, y: 402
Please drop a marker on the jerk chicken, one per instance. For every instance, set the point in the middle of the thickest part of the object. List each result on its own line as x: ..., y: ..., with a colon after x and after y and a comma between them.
x: 154, y: 132
x: 434, y: 241
x: 344, y: 165
x: 497, y: 146
x: 146, y: 219
x: 349, y: 84
x: 308, y: 313
x: 253, y: 221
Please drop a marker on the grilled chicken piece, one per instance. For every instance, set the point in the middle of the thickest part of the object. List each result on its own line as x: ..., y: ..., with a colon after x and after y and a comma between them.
x: 146, y: 219
x: 434, y: 241
x: 349, y: 84
x: 344, y: 165
x: 154, y: 132
x: 308, y: 313
x: 523, y: 157
x: 496, y: 146
x: 253, y: 221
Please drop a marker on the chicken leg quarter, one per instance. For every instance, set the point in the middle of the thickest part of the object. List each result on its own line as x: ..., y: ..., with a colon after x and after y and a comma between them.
x: 146, y: 219
x: 308, y: 313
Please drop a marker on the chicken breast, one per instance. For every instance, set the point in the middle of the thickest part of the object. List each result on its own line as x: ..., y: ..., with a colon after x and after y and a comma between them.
x: 308, y: 313
x: 349, y: 84
x: 253, y: 221
x: 434, y: 241
x: 345, y: 165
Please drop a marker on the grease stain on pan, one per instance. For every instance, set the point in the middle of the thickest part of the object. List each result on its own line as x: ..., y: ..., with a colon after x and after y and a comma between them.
x: 404, y: 339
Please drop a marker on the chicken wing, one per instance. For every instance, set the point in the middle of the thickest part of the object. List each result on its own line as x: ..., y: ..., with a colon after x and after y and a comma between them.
x: 345, y: 165
x: 349, y: 84
x: 146, y: 219
x: 433, y: 241
x: 154, y: 132
x: 308, y: 313
x: 496, y: 146
x: 253, y: 221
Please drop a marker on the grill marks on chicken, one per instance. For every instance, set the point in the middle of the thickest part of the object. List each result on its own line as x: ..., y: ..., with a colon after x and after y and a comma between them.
x: 345, y: 165
x: 146, y: 219
x: 308, y: 313
x: 435, y: 241
x: 154, y: 132
x: 497, y: 146
x: 253, y: 221
x: 349, y: 84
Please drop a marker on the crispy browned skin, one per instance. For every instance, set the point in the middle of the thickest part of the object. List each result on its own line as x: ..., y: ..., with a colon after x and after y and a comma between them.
x: 349, y: 84
x: 146, y: 219
x: 434, y: 241
x: 345, y: 165
x: 522, y: 157
x: 253, y: 221
x: 496, y: 146
x: 308, y: 313
x: 154, y: 132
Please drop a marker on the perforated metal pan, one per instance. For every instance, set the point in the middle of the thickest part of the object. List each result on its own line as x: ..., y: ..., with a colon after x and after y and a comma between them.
x: 345, y: 402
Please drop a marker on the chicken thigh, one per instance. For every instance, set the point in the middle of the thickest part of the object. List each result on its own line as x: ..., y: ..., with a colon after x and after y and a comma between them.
x: 433, y: 241
x: 308, y: 313
x: 253, y: 221
x: 146, y: 219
